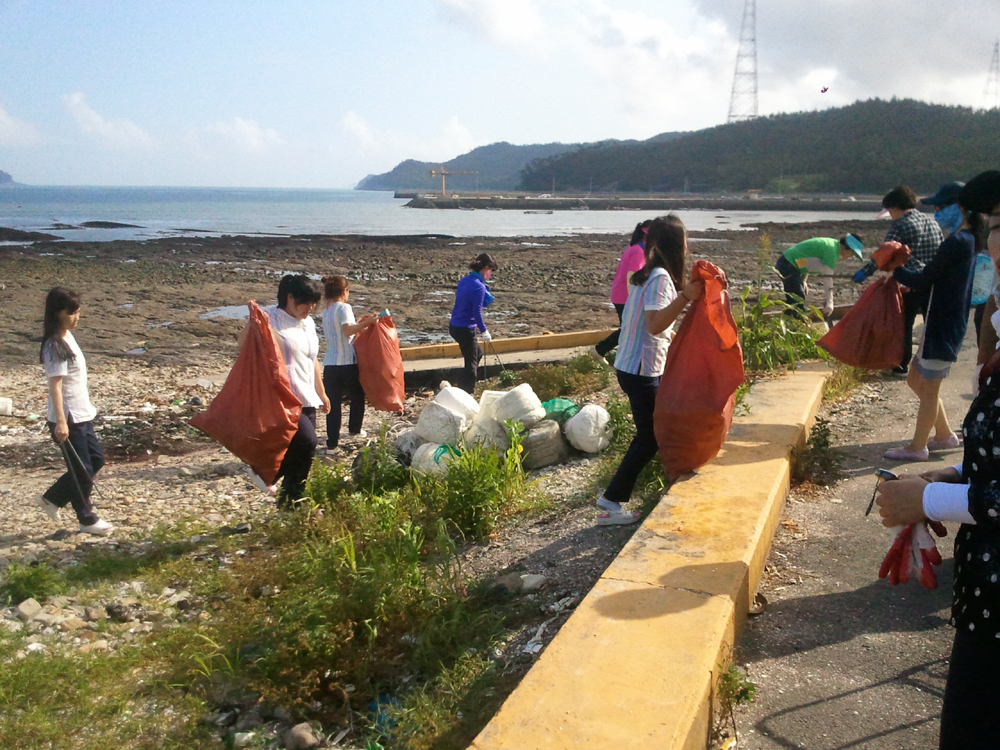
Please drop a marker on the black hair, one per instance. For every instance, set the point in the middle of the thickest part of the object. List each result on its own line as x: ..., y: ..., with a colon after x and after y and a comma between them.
x: 299, y: 287
x: 483, y: 260
x: 666, y: 242
x: 900, y: 197
x: 58, y: 299
x: 639, y: 233
x: 843, y: 240
x: 982, y: 193
x: 978, y: 228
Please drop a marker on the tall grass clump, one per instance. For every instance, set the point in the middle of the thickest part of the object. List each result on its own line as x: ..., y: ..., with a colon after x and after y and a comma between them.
x: 376, y: 469
x: 580, y: 376
x: 773, y: 334
x: 22, y: 582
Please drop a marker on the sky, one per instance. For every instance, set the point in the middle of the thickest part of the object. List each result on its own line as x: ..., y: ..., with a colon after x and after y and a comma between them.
x: 318, y: 94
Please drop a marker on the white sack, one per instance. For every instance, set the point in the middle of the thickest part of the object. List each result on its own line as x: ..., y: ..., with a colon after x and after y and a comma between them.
x: 486, y: 402
x: 408, y: 442
x: 588, y: 429
x: 458, y: 401
x: 431, y: 458
x: 520, y: 404
x: 543, y: 445
x: 489, y: 432
x: 439, y: 424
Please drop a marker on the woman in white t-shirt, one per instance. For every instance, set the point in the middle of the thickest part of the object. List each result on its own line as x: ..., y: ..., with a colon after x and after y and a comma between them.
x: 653, y: 304
x: 340, y: 366
x: 70, y: 415
x: 295, y: 333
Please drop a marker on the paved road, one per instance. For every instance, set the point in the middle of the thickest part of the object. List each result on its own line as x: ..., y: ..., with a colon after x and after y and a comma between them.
x: 842, y: 659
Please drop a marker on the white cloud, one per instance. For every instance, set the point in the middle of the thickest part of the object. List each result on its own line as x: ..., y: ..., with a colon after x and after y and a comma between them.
x: 111, y: 133
x: 502, y: 21
x: 239, y: 134
x: 14, y: 132
x: 384, y: 147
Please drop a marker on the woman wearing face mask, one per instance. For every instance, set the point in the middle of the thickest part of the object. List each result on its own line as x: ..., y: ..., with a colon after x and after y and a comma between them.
x: 968, y: 494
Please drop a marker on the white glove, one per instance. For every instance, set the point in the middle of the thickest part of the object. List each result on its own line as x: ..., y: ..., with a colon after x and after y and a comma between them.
x: 486, y: 337
x: 827, y: 310
x: 975, y: 380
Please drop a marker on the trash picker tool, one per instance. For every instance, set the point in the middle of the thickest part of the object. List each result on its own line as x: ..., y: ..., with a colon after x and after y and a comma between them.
x: 68, y: 451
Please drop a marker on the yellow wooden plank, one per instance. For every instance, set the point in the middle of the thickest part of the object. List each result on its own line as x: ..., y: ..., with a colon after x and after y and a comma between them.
x: 519, y: 344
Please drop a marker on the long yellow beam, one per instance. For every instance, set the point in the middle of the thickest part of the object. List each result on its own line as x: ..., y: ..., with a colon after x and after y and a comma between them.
x: 520, y: 344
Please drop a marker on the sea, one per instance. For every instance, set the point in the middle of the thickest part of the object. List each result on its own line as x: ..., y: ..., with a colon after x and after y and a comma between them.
x: 159, y: 212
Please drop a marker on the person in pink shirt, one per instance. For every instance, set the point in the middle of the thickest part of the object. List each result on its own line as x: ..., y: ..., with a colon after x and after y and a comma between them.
x: 631, y: 261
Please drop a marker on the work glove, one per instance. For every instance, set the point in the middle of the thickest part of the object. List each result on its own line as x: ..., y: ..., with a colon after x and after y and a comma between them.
x: 860, y: 276
x: 913, y: 553
x: 486, y: 337
x: 827, y: 311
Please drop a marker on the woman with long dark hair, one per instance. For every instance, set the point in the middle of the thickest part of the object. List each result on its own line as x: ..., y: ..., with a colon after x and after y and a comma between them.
x: 656, y: 298
x: 70, y: 414
x: 633, y: 258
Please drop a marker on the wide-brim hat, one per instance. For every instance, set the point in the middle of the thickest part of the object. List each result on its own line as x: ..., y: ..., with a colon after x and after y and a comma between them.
x: 945, y: 196
x: 981, y: 194
x: 855, y: 245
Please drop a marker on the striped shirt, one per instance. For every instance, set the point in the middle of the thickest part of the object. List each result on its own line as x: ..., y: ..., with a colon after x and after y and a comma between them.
x: 639, y: 351
x: 299, y: 347
x: 76, y: 398
x: 339, y: 348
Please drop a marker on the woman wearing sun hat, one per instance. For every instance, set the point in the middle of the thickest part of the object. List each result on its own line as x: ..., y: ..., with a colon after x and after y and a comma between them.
x: 818, y: 255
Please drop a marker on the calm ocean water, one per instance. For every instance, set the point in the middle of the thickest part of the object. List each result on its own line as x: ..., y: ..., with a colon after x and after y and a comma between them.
x: 166, y: 212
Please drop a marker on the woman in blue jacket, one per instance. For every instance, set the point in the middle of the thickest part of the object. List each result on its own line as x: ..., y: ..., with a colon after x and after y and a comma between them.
x: 471, y: 296
x: 948, y: 276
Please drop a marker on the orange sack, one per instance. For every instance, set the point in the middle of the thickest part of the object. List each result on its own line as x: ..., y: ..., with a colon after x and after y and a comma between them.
x: 255, y: 414
x: 870, y: 335
x: 694, y: 404
x: 380, y: 365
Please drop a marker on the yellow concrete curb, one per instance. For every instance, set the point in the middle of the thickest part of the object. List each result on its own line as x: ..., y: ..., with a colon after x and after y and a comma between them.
x: 634, y: 666
x: 518, y: 344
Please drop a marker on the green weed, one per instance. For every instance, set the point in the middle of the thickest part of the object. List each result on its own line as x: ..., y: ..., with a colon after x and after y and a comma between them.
x: 733, y: 689
x: 579, y: 376
x: 22, y: 582
x: 818, y: 461
x: 377, y: 469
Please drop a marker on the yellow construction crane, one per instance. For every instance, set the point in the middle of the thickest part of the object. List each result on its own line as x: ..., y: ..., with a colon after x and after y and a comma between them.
x: 443, y: 173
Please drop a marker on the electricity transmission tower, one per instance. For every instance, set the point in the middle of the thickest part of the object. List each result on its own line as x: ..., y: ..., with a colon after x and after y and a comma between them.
x: 991, y: 96
x: 743, y: 101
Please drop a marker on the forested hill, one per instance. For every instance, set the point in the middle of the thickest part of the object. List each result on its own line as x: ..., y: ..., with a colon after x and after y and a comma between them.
x: 867, y: 147
x: 499, y: 166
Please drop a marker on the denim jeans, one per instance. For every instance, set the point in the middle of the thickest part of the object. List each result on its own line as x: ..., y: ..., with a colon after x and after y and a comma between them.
x: 65, y: 491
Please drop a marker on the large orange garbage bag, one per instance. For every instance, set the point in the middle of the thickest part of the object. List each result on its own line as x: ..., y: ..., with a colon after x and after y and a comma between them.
x: 870, y: 335
x: 255, y: 414
x: 380, y: 365
x: 694, y: 404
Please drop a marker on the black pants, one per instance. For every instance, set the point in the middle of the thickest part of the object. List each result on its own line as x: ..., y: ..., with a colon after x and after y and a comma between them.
x: 64, y: 492
x: 641, y: 392
x: 793, y: 282
x: 969, y: 718
x: 298, y: 458
x: 472, y: 352
x: 978, y: 318
x: 913, y: 303
x: 605, y: 346
x: 340, y: 381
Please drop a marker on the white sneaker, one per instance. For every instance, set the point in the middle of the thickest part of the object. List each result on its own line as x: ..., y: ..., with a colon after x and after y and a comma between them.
x: 260, y: 484
x: 361, y: 434
x: 98, y: 528
x: 51, y: 509
x: 609, y: 505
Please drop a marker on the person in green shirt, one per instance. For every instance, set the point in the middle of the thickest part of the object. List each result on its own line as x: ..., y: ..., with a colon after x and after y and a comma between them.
x: 818, y: 255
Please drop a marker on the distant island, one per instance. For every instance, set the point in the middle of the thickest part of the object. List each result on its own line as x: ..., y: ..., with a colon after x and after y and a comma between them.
x: 6, y: 180
x: 497, y: 166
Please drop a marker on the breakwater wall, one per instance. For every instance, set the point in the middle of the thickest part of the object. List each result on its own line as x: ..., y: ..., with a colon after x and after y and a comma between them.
x: 620, y: 203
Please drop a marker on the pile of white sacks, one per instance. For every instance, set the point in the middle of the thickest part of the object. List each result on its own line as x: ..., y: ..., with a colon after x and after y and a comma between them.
x: 454, y: 419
